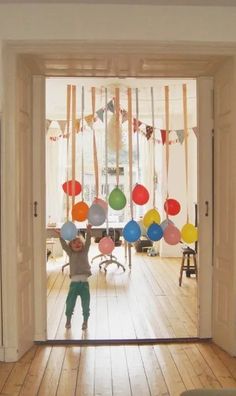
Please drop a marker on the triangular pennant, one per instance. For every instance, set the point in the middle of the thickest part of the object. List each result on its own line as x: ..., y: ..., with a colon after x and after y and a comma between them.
x: 48, y: 123
x: 124, y: 116
x: 149, y: 131
x: 100, y: 114
x: 180, y: 134
x: 163, y: 136
x: 89, y: 119
x: 62, y: 125
x: 136, y: 124
x: 195, y: 130
x: 110, y: 106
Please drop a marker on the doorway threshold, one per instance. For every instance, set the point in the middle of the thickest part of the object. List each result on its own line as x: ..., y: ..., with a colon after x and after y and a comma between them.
x: 140, y: 341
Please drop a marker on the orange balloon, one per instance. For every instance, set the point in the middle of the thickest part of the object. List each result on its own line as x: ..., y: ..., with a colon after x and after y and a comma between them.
x: 80, y: 211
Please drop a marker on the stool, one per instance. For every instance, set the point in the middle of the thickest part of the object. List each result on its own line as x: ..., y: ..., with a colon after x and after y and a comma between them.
x: 190, y: 269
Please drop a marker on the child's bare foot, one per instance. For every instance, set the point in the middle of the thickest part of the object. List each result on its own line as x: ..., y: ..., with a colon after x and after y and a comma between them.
x: 84, y: 325
x: 68, y: 324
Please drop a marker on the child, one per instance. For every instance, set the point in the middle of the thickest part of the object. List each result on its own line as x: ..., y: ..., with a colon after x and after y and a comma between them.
x: 77, y: 250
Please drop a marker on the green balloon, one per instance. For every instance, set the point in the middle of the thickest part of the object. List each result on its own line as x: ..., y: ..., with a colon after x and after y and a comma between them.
x: 117, y: 200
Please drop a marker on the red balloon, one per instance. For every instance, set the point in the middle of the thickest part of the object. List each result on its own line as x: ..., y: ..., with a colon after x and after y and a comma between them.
x: 172, y: 207
x: 140, y: 194
x: 80, y: 211
x: 68, y: 187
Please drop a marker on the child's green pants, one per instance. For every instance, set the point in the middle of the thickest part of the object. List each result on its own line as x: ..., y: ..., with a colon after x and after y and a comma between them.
x: 78, y: 289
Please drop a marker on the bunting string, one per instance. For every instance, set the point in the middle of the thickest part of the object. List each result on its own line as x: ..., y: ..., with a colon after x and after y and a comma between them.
x: 167, y: 139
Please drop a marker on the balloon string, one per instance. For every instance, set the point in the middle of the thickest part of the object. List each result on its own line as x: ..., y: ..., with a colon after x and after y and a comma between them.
x: 106, y: 157
x: 130, y: 148
x: 137, y: 132
x: 82, y: 154
x: 117, y: 130
x: 186, y: 142
x: 153, y: 147
x: 73, y: 142
x: 68, y: 110
x: 167, y: 113
x: 95, y: 158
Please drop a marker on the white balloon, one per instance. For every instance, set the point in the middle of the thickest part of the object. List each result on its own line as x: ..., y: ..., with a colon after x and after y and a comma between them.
x: 96, y: 215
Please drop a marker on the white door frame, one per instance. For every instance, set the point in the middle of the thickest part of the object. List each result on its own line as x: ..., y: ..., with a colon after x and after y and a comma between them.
x: 39, y: 187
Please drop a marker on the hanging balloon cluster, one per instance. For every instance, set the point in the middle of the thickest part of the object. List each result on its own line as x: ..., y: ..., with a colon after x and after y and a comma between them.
x: 97, y: 212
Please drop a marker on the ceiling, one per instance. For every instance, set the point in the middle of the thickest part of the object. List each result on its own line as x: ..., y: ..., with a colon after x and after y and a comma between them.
x: 133, y: 2
x: 62, y: 64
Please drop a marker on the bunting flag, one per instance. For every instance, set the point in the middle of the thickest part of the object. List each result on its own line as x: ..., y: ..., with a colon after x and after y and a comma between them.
x: 180, y: 134
x: 124, y: 115
x: 163, y: 136
x: 136, y: 125
x: 48, y: 123
x: 110, y: 106
x: 62, y: 125
x: 195, y: 130
x: 149, y: 131
x: 100, y: 114
x: 90, y: 120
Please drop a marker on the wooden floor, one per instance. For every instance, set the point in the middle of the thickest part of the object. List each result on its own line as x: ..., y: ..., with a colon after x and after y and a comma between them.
x: 118, y: 370
x: 145, y: 302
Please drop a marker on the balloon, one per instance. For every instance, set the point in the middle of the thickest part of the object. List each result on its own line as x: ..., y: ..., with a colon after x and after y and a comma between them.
x: 117, y: 200
x: 165, y: 223
x: 155, y: 232
x: 106, y: 245
x: 131, y: 231
x: 172, y: 207
x: 152, y: 216
x: 96, y: 215
x: 172, y: 235
x: 79, y: 211
x: 140, y: 194
x: 68, y: 187
x: 189, y: 233
x: 101, y: 202
x: 68, y: 231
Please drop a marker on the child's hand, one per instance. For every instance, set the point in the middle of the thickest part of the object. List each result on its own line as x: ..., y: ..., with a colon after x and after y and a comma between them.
x: 58, y: 232
x: 89, y: 227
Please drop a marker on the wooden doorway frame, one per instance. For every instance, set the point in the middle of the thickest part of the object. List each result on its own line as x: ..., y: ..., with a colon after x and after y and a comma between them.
x: 32, y: 52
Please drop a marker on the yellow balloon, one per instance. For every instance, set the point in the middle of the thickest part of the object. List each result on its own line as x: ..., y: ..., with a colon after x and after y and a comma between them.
x: 189, y: 233
x: 152, y: 216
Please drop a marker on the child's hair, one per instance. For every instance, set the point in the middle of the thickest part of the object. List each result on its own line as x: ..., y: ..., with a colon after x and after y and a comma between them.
x: 79, y: 236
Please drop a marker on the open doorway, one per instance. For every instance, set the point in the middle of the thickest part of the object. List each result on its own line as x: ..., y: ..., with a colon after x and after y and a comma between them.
x: 147, y: 301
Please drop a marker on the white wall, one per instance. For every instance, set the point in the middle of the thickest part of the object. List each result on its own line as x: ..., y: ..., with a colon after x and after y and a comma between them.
x: 89, y: 22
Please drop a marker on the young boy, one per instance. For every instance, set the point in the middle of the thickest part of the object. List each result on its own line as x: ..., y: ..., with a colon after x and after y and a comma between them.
x: 77, y: 250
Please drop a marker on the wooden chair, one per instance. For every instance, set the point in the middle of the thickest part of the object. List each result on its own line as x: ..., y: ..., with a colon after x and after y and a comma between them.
x: 187, y: 265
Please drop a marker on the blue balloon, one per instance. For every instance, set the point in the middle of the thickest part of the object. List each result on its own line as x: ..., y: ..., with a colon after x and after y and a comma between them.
x: 155, y: 232
x: 68, y: 231
x: 131, y: 231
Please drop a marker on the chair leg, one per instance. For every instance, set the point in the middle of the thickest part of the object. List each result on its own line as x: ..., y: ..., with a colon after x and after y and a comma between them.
x: 181, y: 270
x: 112, y: 260
x: 195, y: 265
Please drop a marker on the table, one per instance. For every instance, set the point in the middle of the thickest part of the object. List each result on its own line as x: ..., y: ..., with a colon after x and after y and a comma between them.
x: 96, y: 232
